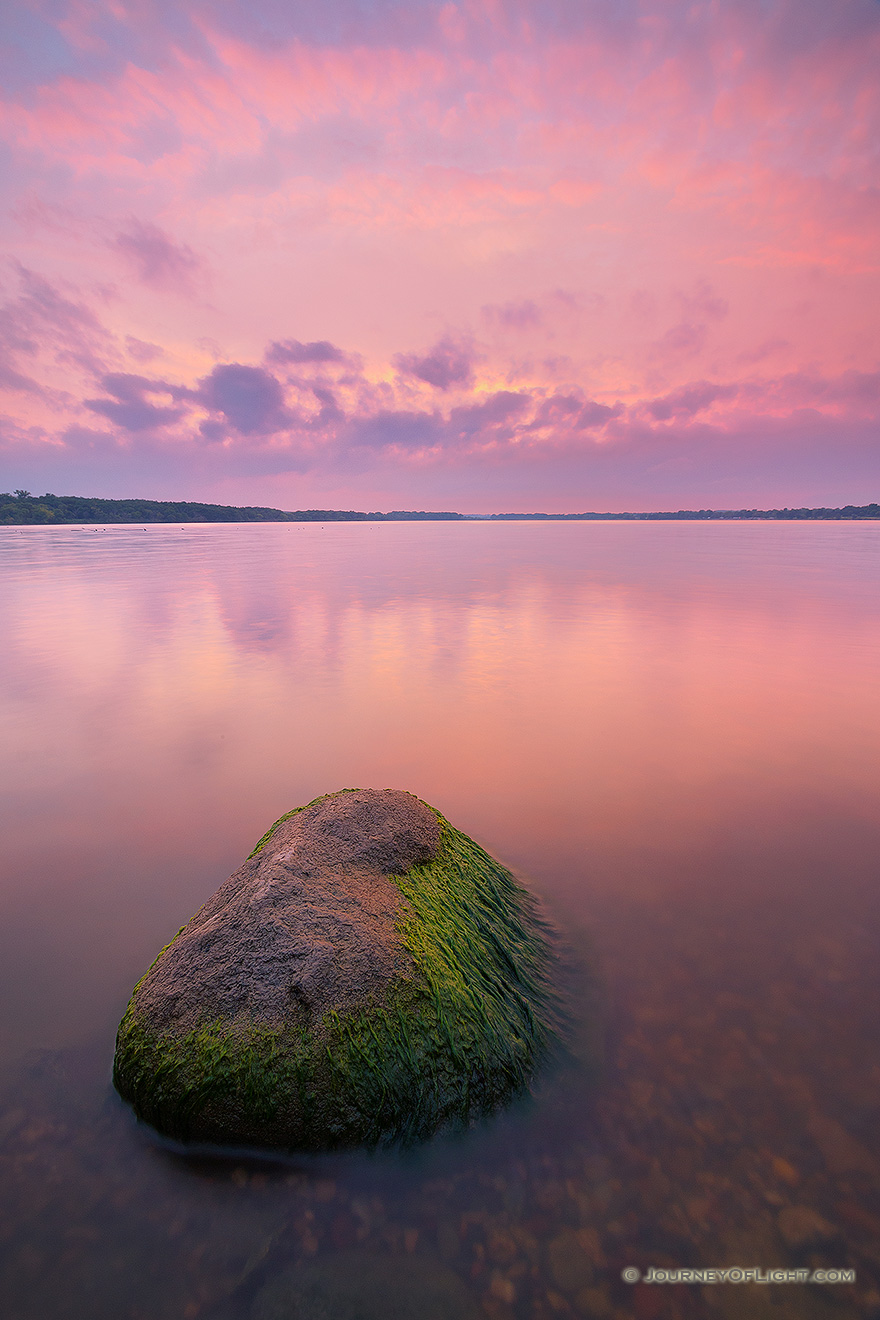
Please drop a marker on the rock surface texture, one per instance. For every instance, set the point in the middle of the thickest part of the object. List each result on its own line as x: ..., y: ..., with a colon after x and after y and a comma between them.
x: 369, y: 974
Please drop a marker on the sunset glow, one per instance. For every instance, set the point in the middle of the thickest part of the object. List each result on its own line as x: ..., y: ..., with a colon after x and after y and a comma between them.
x: 488, y: 255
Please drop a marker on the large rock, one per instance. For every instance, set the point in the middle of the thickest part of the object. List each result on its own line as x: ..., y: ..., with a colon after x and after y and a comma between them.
x: 368, y: 974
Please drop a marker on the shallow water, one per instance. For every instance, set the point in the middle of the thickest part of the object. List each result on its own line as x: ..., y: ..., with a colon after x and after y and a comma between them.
x: 669, y: 730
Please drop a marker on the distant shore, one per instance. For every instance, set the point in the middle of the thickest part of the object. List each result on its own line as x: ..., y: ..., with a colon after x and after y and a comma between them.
x: 24, y: 509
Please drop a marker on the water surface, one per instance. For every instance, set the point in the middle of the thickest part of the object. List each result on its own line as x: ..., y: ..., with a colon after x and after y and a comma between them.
x: 669, y: 730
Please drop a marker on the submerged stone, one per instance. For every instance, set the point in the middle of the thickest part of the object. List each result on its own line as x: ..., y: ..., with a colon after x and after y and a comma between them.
x: 369, y: 974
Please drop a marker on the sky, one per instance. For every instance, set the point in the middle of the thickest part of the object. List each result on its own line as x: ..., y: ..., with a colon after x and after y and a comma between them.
x: 494, y: 255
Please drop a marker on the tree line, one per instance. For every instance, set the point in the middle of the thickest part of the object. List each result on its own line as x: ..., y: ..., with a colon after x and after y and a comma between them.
x: 21, y: 508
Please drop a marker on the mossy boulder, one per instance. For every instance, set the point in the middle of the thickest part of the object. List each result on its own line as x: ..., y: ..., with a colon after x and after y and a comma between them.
x: 368, y: 975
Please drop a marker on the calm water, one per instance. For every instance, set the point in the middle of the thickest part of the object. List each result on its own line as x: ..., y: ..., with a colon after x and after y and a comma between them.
x: 670, y: 731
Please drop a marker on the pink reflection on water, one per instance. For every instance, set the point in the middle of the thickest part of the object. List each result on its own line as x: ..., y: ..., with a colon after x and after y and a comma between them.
x: 579, y: 697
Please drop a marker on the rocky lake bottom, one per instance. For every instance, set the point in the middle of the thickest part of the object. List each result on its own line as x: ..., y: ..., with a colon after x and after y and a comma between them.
x: 711, y: 1137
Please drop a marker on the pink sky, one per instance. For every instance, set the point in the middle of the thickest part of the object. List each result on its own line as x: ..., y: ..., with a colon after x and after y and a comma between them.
x: 494, y: 255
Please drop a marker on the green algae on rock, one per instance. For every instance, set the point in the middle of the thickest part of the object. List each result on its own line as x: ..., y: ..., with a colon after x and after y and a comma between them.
x: 368, y: 975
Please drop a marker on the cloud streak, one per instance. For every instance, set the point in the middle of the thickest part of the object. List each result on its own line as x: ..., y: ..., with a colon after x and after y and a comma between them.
x: 155, y: 259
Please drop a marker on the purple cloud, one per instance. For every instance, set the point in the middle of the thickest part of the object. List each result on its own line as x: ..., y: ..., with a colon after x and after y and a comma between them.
x: 570, y: 413
x: 250, y: 398
x: 10, y: 379
x: 128, y: 407
x: 492, y: 418
x: 142, y: 351
x: 291, y: 350
x: 513, y: 316
x: 409, y: 430
x: 688, y: 401
x: 447, y: 363
x: 42, y: 322
x: 330, y: 410
x: 704, y: 303
x: 468, y: 422
x: 594, y: 415
x: 686, y: 339
x: 763, y: 350
x: 156, y: 259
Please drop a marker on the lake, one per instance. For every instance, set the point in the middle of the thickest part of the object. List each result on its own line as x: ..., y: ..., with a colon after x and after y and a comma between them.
x: 669, y: 731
